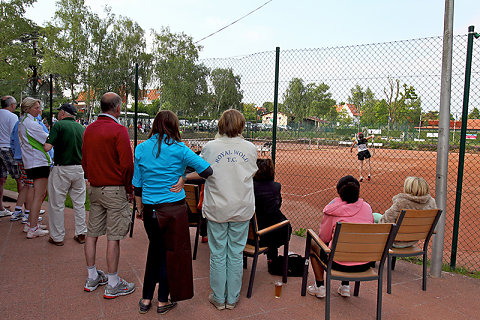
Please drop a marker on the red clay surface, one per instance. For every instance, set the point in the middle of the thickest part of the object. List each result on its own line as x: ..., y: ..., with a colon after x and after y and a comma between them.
x: 309, y: 177
x: 309, y: 174
x: 43, y: 281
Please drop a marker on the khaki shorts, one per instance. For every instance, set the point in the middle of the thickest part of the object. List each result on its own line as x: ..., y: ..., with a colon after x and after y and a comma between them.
x: 109, y: 212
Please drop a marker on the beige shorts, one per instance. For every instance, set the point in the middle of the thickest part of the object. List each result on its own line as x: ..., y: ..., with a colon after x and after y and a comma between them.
x: 109, y: 212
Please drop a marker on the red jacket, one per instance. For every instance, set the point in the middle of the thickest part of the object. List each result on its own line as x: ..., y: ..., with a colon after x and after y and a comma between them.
x: 107, y: 155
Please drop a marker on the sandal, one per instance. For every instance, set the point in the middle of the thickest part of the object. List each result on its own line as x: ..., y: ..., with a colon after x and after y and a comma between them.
x: 166, y: 308
x: 143, y: 308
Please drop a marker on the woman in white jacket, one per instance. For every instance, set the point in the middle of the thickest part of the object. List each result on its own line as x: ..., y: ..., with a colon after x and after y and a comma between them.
x: 228, y: 205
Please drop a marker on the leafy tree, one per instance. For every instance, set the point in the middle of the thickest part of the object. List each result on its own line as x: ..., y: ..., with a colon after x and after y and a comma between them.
x: 295, y: 100
x: 364, y: 102
x: 182, y: 81
x: 129, y: 45
x: 475, y: 114
x: 249, y: 111
x: 67, y: 42
x: 430, y: 115
x: 320, y: 101
x: 99, y: 58
x: 226, y: 90
x: 410, y: 106
x: 268, y: 106
x: 16, y: 46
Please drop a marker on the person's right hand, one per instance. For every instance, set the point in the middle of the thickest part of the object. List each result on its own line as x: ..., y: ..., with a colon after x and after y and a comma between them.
x: 139, y: 213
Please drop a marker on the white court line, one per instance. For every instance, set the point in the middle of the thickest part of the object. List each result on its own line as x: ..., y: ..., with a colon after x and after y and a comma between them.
x: 323, y: 190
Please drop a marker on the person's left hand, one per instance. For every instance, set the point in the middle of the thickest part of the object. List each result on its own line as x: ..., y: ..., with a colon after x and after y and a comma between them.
x: 178, y: 186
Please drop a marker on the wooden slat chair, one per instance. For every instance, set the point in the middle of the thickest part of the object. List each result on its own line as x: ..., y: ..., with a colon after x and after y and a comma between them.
x: 413, y: 225
x: 192, y: 196
x: 254, y: 236
x: 352, y: 242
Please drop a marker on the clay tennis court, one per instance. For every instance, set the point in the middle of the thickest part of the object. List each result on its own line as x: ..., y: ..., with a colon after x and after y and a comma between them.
x: 309, y: 177
x: 309, y: 173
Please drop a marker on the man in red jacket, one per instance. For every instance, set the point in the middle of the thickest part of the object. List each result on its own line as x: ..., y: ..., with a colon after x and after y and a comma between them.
x: 108, y: 164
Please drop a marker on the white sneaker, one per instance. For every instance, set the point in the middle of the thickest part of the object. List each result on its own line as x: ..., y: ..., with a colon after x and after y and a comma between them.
x: 38, y: 232
x: 25, y: 218
x: 344, y: 290
x: 26, y: 227
x: 319, y: 292
x: 5, y: 213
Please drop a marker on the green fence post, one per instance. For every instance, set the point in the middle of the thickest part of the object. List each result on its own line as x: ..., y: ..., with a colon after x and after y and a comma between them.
x: 135, y: 119
x: 461, y: 155
x: 50, y: 120
x: 275, y: 105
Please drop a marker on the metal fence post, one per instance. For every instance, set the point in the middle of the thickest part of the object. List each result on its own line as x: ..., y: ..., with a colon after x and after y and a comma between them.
x: 461, y: 155
x: 275, y: 105
x: 443, y: 136
x: 51, y: 101
x: 135, y: 141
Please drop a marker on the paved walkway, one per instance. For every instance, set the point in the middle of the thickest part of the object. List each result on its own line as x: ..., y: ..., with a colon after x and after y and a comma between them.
x: 41, y: 281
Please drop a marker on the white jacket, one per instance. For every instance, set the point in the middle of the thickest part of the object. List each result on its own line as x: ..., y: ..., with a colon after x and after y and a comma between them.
x: 32, y: 137
x: 229, y: 195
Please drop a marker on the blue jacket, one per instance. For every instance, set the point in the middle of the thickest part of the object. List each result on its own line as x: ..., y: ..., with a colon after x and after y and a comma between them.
x: 15, y: 143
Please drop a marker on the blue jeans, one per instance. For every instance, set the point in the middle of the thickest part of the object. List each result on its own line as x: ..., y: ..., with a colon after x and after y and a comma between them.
x: 226, y: 241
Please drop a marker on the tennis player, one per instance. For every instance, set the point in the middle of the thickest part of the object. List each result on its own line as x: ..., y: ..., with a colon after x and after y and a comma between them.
x: 363, y: 153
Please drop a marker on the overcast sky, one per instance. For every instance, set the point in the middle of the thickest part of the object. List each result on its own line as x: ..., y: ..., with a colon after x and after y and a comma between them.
x: 285, y: 23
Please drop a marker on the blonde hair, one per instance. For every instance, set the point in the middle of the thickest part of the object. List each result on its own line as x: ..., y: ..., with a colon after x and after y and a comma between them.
x: 416, y: 186
x: 231, y: 123
x: 29, y: 103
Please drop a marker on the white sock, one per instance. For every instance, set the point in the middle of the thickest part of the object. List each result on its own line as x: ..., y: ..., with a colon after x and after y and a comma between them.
x: 113, y: 279
x: 18, y: 209
x: 92, y: 272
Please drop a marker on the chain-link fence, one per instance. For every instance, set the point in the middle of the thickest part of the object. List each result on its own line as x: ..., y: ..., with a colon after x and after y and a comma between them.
x: 325, y: 97
x: 389, y: 90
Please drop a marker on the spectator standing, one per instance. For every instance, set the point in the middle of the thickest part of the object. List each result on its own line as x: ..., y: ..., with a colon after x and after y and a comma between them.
x: 160, y: 162
x: 66, y: 176
x: 25, y: 195
x: 228, y: 205
x: 108, y: 164
x: 36, y: 161
x: 8, y: 165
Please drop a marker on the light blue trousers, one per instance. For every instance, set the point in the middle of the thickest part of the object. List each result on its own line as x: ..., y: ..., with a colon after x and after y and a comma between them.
x: 226, y: 241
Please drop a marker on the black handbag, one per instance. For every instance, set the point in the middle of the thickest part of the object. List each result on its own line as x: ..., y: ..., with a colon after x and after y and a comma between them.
x: 295, y: 265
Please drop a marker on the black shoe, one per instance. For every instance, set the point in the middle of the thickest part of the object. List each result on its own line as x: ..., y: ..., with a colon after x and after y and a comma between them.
x: 143, y: 308
x: 166, y: 308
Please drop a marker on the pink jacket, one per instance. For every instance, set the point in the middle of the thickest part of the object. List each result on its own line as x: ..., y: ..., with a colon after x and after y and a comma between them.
x: 338, y: 210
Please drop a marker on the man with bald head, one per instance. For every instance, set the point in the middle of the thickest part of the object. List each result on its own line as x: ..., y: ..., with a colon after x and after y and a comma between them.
x: 107, y: 161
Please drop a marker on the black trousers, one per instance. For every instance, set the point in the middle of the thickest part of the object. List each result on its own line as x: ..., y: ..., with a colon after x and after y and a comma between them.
x: 156, y: 268
x: 169, y: 259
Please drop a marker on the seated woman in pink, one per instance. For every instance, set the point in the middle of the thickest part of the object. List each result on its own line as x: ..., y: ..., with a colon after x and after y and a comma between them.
x: 346, y: 208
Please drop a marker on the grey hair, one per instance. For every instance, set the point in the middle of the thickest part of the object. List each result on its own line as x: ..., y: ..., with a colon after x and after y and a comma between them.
x: 7, y: 101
